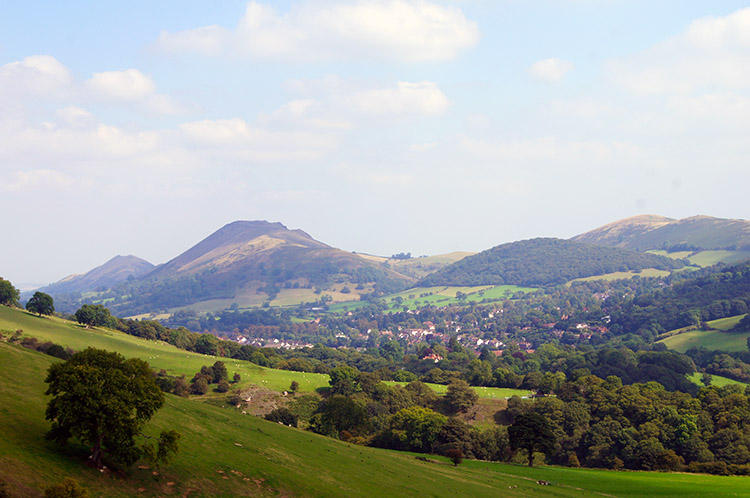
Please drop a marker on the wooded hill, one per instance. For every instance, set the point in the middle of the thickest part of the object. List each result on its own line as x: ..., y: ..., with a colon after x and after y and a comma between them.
x: 543, y: 261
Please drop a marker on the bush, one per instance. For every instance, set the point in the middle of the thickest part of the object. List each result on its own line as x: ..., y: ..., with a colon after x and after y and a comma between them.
x: 283, y: 416
x: 69, y: 488
x: 199, y: 387
x: 223, y: 386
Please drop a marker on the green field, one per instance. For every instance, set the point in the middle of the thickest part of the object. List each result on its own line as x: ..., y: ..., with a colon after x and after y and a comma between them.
x: 225, y: 453
x: 716, y: 380
x: 618, y: 275
x: 483, y: 392
x: 719, y: 339
x: 439, y: 296
x: 158, y: 354
x: 177, y: 361
x: 709, y: 258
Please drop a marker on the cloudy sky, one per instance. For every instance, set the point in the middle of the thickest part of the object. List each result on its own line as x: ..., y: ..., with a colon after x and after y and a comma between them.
x: 377, y: 126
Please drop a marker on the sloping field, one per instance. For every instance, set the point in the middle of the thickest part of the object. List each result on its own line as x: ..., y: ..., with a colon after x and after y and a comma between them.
x: 718, y: 338
x: 225, y: 453
x: 618, y: 275
x: 177, y: 361
x: 159, y: 354
x: 716, y: 380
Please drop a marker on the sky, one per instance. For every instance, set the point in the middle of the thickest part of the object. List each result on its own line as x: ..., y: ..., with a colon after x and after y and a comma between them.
x: 377, y: 126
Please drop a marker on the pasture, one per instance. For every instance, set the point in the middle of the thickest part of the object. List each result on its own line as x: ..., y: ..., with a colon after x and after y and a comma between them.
x: 718, y: 338
x: 225, y: 453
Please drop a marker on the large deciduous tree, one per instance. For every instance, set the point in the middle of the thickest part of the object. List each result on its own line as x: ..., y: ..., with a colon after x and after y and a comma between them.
x: 104, y: 400
x: 41, y: 303
x: 93, y: 315
x: 531, y: 432
x: 460, y: 396
x: 8, y: 294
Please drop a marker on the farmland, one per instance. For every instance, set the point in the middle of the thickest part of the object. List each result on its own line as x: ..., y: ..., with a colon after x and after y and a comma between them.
x: 718, y: 337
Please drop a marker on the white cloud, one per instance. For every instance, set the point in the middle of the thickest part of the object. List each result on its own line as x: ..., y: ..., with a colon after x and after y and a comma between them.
x: 551, y: 70
x: 423, y: 98
x: 335, y: 104
x: 128, y: 84
x: 551, y: 152
x: 404, y: 30
x: 76, y: 117
x: 712, y: 53
x: 36, y: 75
x: 29, y: 181
x: 236, y: 140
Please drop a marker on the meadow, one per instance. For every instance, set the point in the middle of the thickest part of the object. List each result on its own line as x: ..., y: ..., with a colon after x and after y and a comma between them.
x: 439, y: 296
x: 161, y: 355
x: 718, y: 337
x: 226, y: 453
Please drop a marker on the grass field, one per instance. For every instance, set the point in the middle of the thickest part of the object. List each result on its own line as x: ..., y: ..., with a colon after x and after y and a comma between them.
x: 224, y: 453
x: 716, y: 380
x: 439, y: 296
x: 177, y: 361
x: 618, y: 275
x: 708, y: 258
x: 158, y: 354
x: 719, y: 339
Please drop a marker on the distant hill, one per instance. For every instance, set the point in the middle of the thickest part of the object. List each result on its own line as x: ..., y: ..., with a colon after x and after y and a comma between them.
x: 421, y: 266
x: 543, y: 261
x: 111, y: 273
x: 649, y: 232
x: 691, y: 298
x: 253, y: 262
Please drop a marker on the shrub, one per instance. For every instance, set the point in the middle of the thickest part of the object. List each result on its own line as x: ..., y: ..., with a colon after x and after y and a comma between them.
x: 282, y: 415
x: 69, y: 488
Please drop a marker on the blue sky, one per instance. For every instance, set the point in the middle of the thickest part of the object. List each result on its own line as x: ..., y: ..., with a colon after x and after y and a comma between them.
x: 377, y: 126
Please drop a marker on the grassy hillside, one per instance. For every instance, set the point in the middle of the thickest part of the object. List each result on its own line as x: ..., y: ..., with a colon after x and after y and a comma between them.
x: 707, y: 258
x: 717, y: 337
x: 716, y: 380
x: 654, y: 232
x: 417, y: 297
x: 225, y: 453
x: 177, y: 361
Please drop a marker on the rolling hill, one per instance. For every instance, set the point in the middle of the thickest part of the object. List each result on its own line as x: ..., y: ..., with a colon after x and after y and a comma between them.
x: 649, y: 232
x: 224, y: 452
x: 543, y: 261
x: 111, y: 273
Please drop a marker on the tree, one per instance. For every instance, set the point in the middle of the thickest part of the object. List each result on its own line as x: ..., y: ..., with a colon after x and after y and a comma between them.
x: 456, y: 456
x: 8, y: 294
x: 294, y: 387
x: 460, y: 396
x: 531, y: 432
x: 416, y: 428
x: 219, y: 372
x: 343, y: 380
x: 41, y: 303
x: 103, y: 400
x: 93, y: 315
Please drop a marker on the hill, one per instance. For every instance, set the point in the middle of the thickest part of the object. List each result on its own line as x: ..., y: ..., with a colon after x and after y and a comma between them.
x: 116, y: 270
x: 249, y: 263
x: 226, y: 453
x: 543, y: 261
x: 649, y: 232
x: 686, y: 300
